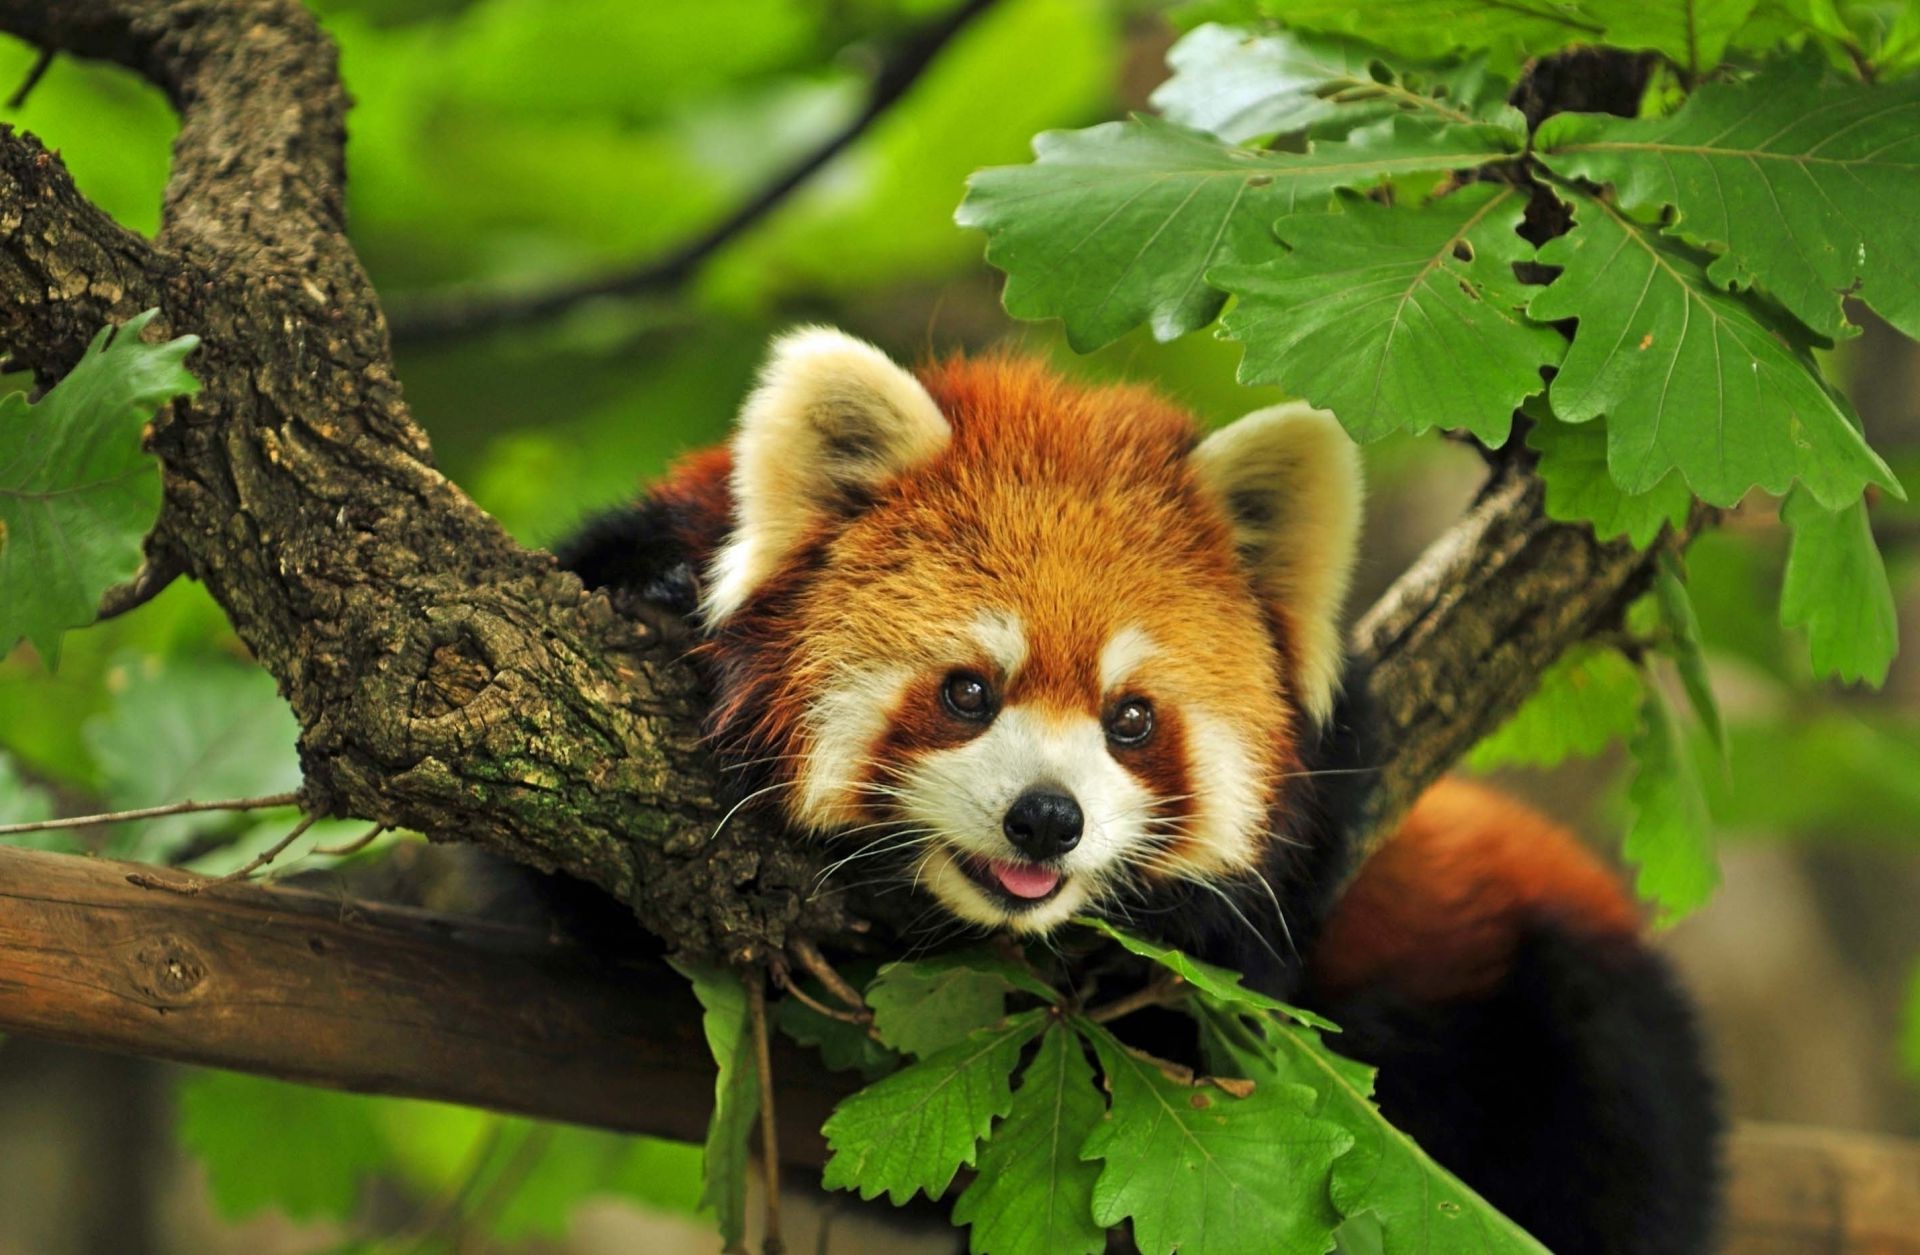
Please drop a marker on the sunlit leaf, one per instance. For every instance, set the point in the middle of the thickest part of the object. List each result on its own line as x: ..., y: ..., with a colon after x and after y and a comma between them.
x: 1691, y: 33
x: 1195, y: 1167
x: 1690, y: 376
x: 1215, y: 982
x: 1573, y: 465
x: 1799, y: 184
x: 1398, y: 319
x: 910, y: 1132
x: 1033, y: 1194
x: 1586, y: 701
x: 1241, y: 84
x: 1118, y: 224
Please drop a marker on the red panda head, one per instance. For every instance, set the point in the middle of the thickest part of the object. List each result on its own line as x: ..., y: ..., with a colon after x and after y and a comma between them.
x: 1041, y: 635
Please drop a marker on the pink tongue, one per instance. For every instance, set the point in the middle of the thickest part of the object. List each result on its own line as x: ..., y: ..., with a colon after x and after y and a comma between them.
x: 1024, y: 880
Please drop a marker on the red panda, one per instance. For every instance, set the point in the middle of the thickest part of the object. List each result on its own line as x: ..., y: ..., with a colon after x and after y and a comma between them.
x: 1051, y: 651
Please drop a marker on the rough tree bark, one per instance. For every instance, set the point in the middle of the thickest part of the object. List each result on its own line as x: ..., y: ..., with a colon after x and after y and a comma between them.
x: 444, y: 678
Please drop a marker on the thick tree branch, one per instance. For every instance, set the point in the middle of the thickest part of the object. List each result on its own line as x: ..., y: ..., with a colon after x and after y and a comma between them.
x: 468, y: 313
x: 444, y: 679
x: 386, y: 1000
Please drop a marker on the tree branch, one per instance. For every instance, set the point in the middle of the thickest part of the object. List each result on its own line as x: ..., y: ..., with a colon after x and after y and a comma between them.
x: 467, y: 313
x: 385, y: 1000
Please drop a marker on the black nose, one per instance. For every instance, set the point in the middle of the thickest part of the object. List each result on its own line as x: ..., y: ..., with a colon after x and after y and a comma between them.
x: 1043, y: 825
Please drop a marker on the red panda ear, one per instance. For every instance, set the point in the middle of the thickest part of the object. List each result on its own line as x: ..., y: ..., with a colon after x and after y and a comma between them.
x: 1290, y: 480
x: 831, y: 418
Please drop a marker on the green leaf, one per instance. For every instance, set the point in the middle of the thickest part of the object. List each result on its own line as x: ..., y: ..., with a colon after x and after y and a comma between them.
x: 736, y: 1093
x: 1118, y: 224
x: 1509, y: 31
x: 1197, y: 1168
x: 1573, y: 465
x: 1670, y: 838
x: 1690, y: 376
x: 1241, y: 84
x: 268, y: 1144
x: 1798, y: 184
x: 843, y: 1047
x: 1692, y: 34
x: 1398, y: 319
x: 189, y: 728
x: 1415, y: 1206
x: 924, y: 1005
x: 911, y: 1131
x: 1586, y: 701
x: 1683, y: 646
x: 1034, y: 1194
x: 77, y: 492
x: 1216, y: 982
x: 1836, y: 588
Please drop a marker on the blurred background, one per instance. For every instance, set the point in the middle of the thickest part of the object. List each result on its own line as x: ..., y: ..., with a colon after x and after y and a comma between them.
x: 545, y: 149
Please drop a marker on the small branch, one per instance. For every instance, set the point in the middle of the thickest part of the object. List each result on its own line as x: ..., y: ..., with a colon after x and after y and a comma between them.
x: 154, y: 577
x: 41, y: 64
x: 824, y: 972
x: 155, y: 812
x: 772, y: 1244
x: 190, y: 888
x: 1158, y: 992
x: 354, y: 846
x: 459, y: 314
x: 793, y: 990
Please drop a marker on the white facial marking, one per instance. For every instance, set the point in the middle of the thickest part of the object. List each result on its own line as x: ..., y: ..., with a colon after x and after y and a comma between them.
x: 963, y: 795
x: 1231, y: 801
x: 1004, y: 639
x: 1123, y: 655
x: 844, y: 722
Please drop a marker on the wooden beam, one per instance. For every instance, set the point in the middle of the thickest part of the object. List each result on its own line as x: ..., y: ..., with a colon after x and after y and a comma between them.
x: 388, y: 1000
x: 361, y: 996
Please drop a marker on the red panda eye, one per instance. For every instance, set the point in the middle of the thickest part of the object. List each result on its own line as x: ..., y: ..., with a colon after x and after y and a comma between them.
x: 1131, y: 722
x: 968, y: 696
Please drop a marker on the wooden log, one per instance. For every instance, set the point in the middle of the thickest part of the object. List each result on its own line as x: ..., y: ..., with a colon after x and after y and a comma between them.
x: 366, y: 997
x: 390, y: 1000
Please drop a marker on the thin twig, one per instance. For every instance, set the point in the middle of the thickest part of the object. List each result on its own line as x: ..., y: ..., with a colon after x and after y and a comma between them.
x: 156, y: 812
x: 41, y: 64
x: 805, y: 999
x: 154, y: 577
x: 241, y: 872
x: 354, y: 846
x: 823, y: 971
x: 465, y: 313
x: 772, y: 1243
x: 1157, y: 993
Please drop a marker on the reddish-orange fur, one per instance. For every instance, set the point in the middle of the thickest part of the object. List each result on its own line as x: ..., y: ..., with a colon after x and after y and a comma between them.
x: 1437, y: 912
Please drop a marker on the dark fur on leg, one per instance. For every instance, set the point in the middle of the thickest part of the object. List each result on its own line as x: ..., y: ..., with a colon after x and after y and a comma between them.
x: 1574, y: 1096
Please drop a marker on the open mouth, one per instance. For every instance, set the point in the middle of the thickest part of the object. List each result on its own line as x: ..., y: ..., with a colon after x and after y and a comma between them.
x: 1014, y: 883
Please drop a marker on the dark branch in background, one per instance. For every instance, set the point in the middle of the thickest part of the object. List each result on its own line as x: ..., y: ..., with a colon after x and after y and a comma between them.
x: 440, y: 317
x: 404, y: 1002
x: 36, y: 72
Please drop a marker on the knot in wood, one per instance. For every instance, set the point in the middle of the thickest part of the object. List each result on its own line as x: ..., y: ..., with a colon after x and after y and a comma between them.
x: 168, y: 970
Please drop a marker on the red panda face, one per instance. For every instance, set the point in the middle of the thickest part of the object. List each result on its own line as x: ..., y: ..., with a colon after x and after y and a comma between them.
x: 1036, y: 634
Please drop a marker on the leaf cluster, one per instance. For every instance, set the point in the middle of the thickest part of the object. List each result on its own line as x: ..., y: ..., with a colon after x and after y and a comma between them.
x: 1050, y: 1130
x: 1637, y: 305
